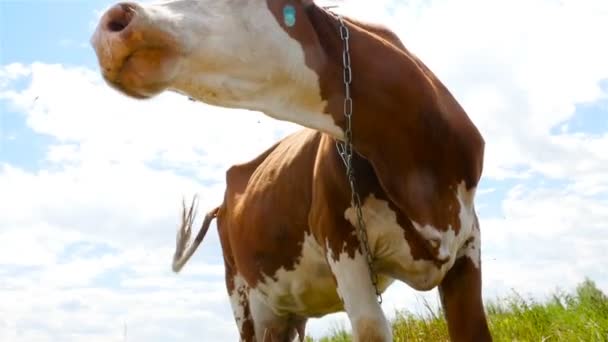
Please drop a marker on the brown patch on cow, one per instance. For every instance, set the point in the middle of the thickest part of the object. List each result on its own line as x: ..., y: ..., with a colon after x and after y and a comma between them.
x: 267, y: 225
x: 420, y: 248
x: 418, y: 139
x: 331, y: 198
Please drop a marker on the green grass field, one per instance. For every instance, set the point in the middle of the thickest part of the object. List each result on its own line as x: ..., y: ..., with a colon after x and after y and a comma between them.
x: 578, y: 316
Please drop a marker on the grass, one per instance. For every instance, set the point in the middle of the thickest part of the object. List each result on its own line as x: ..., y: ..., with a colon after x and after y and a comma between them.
x: 578, y: 316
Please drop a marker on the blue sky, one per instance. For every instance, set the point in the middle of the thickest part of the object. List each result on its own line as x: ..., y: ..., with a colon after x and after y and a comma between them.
x: 48, y: 30
x: 35, y: 31
x: 91, y: 182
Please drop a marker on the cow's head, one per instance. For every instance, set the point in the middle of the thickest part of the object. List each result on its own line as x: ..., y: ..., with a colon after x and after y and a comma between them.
x: 256, y: 54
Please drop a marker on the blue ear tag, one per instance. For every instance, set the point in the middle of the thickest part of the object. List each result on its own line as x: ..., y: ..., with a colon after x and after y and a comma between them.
x: 289, y: 15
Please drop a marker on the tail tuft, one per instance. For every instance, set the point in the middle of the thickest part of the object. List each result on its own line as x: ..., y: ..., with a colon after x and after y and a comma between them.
x: 183, y: 233
x: 183, y: 250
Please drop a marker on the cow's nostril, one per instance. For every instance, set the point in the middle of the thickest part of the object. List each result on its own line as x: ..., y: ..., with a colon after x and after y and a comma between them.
x: 119, y: 17
x: 116, y: 26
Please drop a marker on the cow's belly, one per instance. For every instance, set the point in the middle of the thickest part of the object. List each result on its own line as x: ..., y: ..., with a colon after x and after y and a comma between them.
x: 308, y: 289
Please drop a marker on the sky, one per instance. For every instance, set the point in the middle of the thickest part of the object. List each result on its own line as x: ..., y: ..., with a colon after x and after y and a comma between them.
x: 91, y: 182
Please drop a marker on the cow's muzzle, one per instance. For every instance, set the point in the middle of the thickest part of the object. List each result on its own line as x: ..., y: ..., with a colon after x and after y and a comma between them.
x: 134, y: 54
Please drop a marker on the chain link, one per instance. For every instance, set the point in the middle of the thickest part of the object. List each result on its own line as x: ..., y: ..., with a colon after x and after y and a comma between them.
x: 345, y: 149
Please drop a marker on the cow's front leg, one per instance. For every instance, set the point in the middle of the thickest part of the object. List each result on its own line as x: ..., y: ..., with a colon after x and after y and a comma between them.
x: 460, y: 292
x: 358, y: 294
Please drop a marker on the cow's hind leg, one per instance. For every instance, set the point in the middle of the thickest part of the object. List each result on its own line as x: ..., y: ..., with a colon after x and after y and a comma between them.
x: 255, y: 320
x: 270, y: 327
x: 238, y: 290
x: 460, y: 293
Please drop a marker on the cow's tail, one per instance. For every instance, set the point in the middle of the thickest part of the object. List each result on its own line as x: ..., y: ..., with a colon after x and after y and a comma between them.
x: 184, y: 249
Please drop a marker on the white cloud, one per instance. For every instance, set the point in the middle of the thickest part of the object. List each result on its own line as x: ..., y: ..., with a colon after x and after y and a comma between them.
x: 117, y: 170
x: 116, y: 176
x: 548, y: 237
x: 518, y: 67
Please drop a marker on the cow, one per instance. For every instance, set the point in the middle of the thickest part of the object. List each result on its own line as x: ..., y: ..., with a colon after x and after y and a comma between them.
x: 290, y: 230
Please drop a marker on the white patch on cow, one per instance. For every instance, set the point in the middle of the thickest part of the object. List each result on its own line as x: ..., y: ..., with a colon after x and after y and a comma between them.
x: 358, y: 294
x: 238, y: 300
x: 473, y: 249
x: 307, y: 290
x: 235, y: 54
x: 264, y: 319
x: 392, y: 252
x: 469, y: 222
x: 443, y: 241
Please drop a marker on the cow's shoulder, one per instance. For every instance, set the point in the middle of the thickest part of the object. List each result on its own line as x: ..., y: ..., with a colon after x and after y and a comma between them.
x: 380, y: 31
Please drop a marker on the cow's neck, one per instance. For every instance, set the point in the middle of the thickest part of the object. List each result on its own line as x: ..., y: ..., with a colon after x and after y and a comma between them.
x: 420, y: 142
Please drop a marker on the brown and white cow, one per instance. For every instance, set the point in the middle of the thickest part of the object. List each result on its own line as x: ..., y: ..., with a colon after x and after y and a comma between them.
x: 286, y: 224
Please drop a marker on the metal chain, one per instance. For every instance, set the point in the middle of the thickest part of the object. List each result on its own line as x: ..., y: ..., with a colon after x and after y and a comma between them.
x: 345, y: 149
